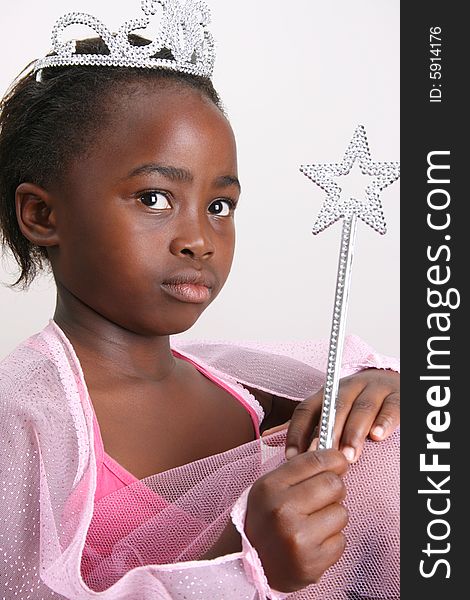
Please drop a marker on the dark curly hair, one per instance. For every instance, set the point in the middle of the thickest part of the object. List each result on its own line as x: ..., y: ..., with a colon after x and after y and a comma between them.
x: 46, y: 125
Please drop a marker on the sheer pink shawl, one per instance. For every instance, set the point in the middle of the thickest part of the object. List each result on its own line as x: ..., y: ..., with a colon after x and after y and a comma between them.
x: 160, y: 526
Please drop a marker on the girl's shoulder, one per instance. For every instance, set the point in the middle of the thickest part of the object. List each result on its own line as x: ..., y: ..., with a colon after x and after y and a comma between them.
x: 33, y: 376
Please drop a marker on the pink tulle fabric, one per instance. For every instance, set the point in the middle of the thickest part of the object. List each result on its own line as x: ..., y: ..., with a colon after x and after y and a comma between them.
x: 145, y: 539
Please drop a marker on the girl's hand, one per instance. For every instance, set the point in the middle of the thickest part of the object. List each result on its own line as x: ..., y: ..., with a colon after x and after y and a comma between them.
x: 294, y: 518
x: 368, y: 405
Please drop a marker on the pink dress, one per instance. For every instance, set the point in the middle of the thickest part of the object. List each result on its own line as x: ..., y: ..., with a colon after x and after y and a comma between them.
x: 143, y: 539
x: 106, y: 530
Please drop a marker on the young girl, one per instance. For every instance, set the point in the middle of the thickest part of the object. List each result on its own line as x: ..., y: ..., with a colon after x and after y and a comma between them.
x: 133, y: 467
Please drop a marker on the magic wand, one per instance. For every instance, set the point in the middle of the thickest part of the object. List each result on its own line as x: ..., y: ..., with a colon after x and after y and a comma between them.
x: 336, y: 207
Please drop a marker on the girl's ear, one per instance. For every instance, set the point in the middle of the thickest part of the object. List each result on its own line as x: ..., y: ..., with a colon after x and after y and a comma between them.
x: 36, y: 215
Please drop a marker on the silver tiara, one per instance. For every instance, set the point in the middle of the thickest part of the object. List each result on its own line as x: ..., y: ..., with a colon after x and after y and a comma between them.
x: 182, y: 31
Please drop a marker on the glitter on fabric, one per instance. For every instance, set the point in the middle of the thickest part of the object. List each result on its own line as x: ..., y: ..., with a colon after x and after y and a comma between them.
x: 49, y: 543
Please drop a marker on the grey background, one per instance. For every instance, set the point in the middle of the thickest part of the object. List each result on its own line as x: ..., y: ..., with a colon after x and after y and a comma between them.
x: 296, y: 78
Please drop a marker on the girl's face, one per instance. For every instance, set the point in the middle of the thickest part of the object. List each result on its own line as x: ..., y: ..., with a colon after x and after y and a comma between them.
x: 145, y: 220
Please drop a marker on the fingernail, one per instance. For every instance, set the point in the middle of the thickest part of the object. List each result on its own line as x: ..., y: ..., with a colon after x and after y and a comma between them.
x: 349, y: 453
x: 378, y: 431
x: 291, y: 451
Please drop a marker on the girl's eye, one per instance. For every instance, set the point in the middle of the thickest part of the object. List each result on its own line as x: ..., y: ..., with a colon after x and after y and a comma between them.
x: 222, y: 208
x: 155, y: 200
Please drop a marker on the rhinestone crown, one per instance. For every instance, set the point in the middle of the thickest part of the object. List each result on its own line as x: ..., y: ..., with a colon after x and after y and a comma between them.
x: 182, y: 30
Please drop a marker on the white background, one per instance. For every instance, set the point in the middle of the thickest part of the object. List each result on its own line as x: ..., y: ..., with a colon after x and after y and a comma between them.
x: 296, y: 78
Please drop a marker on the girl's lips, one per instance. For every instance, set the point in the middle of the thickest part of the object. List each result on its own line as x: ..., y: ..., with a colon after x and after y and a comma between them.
x: 188, y: 292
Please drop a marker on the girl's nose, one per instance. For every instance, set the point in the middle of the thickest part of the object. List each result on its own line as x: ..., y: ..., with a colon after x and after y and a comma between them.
x: 192, y: 240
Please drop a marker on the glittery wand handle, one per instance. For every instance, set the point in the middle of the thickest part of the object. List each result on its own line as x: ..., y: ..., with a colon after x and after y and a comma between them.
x: 338, y: 326
x: 335, y: 207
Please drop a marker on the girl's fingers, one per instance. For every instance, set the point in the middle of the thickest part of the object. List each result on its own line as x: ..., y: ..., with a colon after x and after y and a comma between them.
x: 275, y: 429
x: 349, y: 393
x: 369, y: 415
x: 314, y: 444
x: 365, y: 407
x: 304, y: 467
x: 351, y: 436
x: 314, y: 494
x: 388, y: 418
x: 302, y: 424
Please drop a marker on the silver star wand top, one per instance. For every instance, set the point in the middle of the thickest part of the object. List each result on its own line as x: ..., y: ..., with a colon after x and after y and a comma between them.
x: 334, y: 208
